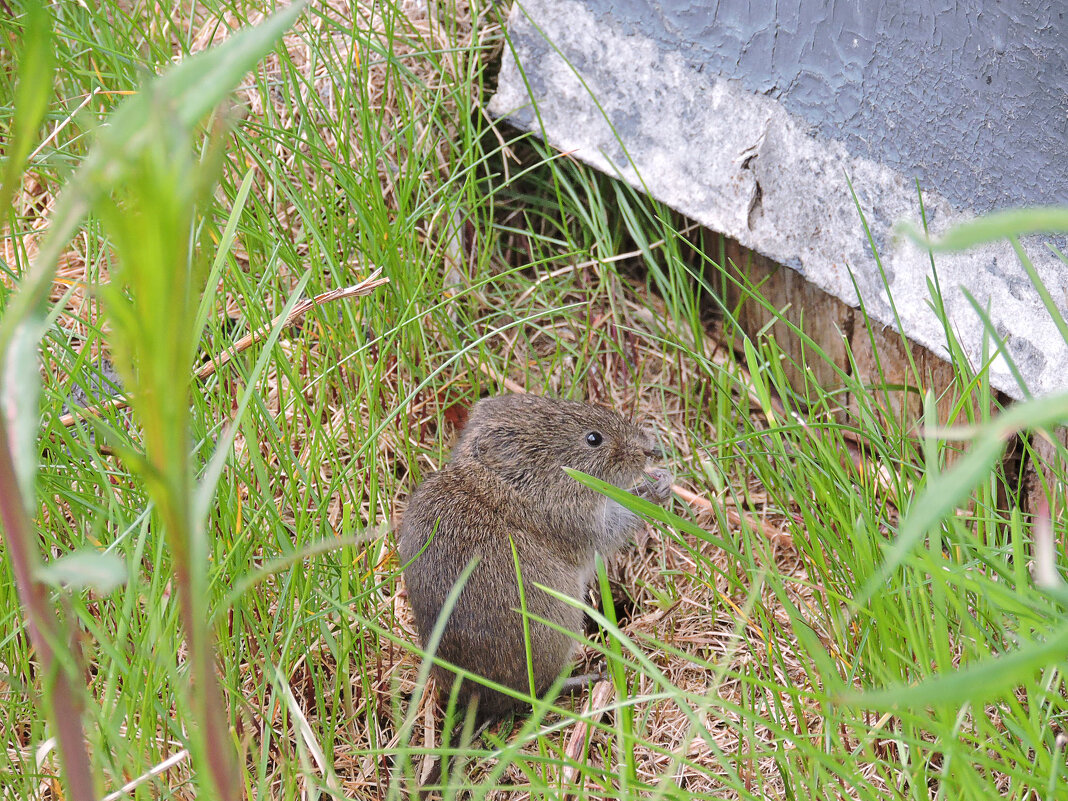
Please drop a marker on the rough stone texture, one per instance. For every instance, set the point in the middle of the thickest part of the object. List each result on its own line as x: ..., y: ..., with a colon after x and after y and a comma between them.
x: 970, y: 99
x: 752, y: 124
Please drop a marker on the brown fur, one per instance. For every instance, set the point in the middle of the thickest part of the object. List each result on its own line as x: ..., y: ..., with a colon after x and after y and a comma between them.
x: 504, y: 485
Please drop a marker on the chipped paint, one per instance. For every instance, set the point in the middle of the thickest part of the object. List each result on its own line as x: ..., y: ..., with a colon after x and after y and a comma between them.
x: 728, y: 120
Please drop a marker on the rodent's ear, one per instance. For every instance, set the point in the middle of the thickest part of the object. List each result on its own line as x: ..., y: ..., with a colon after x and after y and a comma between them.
x: 473, y: 444
x: 477, y: 445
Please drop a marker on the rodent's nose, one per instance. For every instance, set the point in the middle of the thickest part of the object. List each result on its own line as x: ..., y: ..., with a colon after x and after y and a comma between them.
x: 653, y: 450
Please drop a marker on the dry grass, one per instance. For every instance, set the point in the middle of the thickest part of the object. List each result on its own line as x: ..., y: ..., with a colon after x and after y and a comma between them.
x: 712, y: 627
x: 706, y: 621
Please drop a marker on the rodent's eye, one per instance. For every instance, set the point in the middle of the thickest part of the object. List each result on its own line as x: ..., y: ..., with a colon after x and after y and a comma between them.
x: 594, y: 439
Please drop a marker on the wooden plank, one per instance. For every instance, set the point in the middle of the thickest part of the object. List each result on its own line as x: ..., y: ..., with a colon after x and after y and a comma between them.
x: 880, y: 358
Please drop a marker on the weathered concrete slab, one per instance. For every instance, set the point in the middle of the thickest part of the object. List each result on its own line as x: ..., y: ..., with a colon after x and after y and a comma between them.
x: 751, y: 123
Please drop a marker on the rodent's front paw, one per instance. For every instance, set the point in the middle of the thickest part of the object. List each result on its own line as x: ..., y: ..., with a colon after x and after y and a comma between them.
x: 656, y: 487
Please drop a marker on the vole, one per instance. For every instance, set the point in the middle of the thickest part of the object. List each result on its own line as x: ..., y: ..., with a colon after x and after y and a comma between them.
x: 505, y: 485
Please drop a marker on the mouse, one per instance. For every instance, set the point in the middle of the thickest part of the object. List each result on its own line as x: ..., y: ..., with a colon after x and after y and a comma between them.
x: 504, y: 501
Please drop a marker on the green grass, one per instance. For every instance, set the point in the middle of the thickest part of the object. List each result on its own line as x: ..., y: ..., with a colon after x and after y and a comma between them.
x: 900, y: 649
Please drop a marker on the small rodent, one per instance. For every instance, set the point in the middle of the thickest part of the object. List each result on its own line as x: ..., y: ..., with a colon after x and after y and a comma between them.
x: 505, y: 484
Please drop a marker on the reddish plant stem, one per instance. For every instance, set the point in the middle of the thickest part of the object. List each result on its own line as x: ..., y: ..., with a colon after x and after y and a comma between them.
x: 207, y: 696
x: 65, y: 703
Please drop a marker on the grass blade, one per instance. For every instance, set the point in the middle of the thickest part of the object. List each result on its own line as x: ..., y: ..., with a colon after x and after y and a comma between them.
x: 992, y: 227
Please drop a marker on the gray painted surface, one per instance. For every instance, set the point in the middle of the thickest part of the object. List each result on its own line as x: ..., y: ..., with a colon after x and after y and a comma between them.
x: 722, y: 138
x: 971, y: 98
